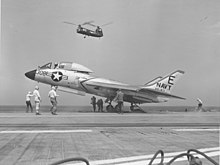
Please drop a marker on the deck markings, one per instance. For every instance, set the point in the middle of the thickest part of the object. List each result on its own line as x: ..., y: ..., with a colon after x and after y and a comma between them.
x: 46, y: 131
x: 197, y: 130
x: 145, y: 159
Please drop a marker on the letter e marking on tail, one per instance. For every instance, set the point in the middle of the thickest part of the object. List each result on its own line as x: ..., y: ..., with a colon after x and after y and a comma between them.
x: 170, y: 80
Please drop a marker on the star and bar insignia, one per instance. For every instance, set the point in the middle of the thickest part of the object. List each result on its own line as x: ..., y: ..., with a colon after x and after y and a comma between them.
x: 57, y: 76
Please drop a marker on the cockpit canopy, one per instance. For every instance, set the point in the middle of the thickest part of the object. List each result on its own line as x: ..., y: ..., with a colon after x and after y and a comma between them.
x: 74, y: 67
x: 68, y: 66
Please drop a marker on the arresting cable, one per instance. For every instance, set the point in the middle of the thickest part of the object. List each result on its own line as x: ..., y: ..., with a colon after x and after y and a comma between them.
x: 191, y: 159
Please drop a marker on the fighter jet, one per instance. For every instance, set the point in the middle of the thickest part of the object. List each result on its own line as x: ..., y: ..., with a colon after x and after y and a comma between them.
x: 77, y: 79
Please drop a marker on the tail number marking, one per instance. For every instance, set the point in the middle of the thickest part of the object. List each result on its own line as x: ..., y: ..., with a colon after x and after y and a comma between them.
x: 164, y: 86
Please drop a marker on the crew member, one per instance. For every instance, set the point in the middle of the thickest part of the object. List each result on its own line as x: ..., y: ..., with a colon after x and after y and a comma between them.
x: 93, y: 102
x: 199, y: 108
x: 28, y: 102
x: 56, y: 65
x: 100, y: 105
x: 119, y: 98
x: 37, y: 99
x: 53, y: 99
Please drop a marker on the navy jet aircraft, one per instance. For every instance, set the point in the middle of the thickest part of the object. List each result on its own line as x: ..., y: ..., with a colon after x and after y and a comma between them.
x: 75, y: 78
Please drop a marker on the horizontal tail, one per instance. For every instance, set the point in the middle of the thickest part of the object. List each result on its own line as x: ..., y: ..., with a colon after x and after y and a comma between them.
x: 167, y: 83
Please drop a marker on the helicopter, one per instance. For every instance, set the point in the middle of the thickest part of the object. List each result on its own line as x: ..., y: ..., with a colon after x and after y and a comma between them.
x: 88, y: 32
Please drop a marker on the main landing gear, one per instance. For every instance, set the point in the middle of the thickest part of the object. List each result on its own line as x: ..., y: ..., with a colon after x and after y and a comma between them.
x: 134, y: 108
x: 111, y: 108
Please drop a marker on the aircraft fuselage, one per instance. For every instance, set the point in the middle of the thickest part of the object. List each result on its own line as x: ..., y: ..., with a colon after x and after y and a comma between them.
x: 80, y: 82
x: 75, y: 78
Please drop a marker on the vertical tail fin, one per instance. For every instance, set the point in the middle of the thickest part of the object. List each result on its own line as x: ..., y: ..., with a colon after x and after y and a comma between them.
x: 153, y: 81
x: 167, y: 83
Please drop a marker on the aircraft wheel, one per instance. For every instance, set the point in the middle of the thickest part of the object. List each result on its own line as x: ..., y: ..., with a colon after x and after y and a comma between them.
x: 116, y: 108
x: 109, y: 108
x: 131, y: 107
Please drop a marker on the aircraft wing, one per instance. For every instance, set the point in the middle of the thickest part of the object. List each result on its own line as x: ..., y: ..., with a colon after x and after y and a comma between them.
x: 135, y: 89
x: 112, y: 86
x: 159, y: 93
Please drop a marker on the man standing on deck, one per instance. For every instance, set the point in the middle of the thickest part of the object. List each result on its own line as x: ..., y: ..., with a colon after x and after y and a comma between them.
x: 53, y: 99
x: 100, y: 105
x: 28, y: 102
x: 119, y: 98
x: 199, y: 108
x: 37, y: 99
x: 93, y: 102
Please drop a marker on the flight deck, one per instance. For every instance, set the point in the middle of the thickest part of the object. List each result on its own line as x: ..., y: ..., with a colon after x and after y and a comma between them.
x: 106, y: 138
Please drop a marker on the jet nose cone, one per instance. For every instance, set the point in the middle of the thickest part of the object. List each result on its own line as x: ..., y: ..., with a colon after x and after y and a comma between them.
x: 31, y: 74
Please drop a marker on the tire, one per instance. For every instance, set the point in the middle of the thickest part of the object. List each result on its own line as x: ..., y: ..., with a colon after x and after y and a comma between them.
x: 109, y: 108
x: 116, y: 108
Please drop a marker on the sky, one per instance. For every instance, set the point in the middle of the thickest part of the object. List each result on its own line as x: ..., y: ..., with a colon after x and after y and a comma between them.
x: 147, y: 38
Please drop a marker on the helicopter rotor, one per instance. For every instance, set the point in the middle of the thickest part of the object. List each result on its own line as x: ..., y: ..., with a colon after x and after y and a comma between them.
x: 87, y: 23
x: 70, y: 23
x: 92, y: 25
x: 107, y: 24
x: 98, y: 25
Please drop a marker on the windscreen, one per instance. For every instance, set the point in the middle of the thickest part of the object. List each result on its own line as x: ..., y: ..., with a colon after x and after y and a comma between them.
x: 48, y: 65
